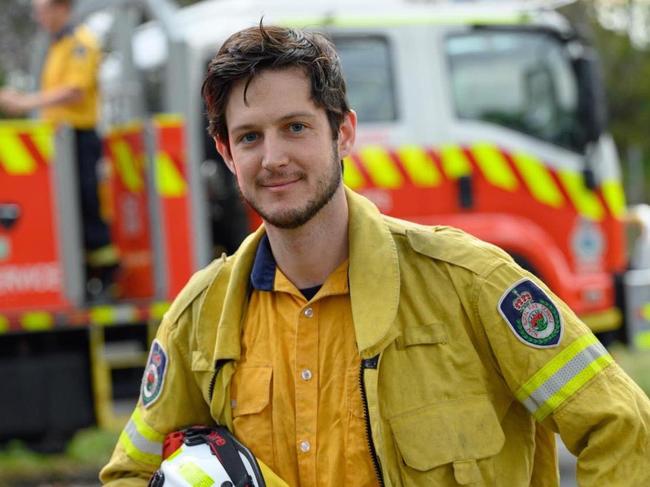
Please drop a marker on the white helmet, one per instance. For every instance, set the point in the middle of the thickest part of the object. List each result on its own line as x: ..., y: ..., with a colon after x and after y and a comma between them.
x: 206, y: 456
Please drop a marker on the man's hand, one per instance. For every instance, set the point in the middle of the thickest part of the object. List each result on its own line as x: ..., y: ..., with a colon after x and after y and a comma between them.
x: 16, y: 102
x: 13, y: 102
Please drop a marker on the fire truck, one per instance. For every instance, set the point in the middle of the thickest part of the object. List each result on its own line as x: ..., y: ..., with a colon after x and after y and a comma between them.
x: 487, y: 116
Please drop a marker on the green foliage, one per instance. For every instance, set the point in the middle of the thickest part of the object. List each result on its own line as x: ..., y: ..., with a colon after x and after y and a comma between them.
x: 88, y: 451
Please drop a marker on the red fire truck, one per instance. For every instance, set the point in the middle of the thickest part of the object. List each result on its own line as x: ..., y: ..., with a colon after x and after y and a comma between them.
x: 489, y: 118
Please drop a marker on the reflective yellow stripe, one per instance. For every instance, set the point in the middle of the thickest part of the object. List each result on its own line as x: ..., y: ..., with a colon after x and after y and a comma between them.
x: 642, y: 340
x: 538, y: 180
x: 144, y: 429
x: 126, y: 165
x: 132, y: 451
x: 380, y: 167
x: 494, y: 166
x: 351, y: 175
x: 106, y: 255
x: 419, y: 166
x: 169, y: 181
x: 573, y: 386
x: 15, y: 158
x: 37, y: 321
x: 555, y: 364
x: 168, y: 119
x: 44, y: 142
x: 102, y: 315
x: 584, y: 200
x: 454, y: 162
x: 157, y: 310
x: 614, y: 197
x: 4, y: 324
x: 563, y: 376
x: 195, y: 475
x: 392, y: 20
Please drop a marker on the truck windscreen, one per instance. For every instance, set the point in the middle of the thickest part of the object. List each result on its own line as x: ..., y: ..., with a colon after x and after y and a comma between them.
x: 522, y: 80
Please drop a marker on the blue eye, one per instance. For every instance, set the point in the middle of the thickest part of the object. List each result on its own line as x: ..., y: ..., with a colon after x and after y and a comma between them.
x: 296, y: 128
x: 248, y: 138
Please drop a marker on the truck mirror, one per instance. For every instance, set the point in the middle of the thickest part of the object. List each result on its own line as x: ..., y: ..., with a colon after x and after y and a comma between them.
x: 592, y: 102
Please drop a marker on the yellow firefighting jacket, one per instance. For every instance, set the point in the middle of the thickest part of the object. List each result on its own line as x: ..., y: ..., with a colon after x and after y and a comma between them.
x: 461, y: 386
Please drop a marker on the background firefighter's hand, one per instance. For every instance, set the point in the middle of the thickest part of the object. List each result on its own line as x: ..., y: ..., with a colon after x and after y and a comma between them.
x: 12, y: 101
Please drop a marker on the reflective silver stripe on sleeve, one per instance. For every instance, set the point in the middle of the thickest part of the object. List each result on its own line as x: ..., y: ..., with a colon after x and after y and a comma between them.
x: 140, y: 442
x: 562, y: 377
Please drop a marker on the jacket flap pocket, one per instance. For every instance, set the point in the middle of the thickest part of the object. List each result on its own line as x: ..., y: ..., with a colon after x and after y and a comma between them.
x: 463, y: 429
x: 254, y: 391
x: 422, y: 334
x: 200, y: 363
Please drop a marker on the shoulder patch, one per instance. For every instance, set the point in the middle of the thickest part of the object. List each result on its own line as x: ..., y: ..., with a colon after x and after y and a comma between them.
x: 531, y: 314
x: 154, y: 374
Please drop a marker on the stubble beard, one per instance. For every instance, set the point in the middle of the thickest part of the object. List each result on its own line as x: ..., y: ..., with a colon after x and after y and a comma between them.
x: 293, y: 218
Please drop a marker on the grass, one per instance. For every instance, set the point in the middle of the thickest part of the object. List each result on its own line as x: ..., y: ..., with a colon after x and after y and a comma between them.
x: 86, y: 453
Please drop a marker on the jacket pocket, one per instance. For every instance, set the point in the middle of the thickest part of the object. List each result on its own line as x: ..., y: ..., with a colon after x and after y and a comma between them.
x: 251, y: 410
x: 450, y: 443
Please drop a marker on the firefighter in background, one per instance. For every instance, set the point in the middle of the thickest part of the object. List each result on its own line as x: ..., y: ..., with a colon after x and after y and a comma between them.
x: 68, y: 95
x: 346, y: 348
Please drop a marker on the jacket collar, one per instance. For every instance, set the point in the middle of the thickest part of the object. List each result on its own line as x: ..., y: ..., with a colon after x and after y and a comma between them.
x: 373, y: 274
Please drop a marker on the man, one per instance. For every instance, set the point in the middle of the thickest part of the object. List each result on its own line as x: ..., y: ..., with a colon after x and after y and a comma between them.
x: 347, y: 348
x: 68, y: 96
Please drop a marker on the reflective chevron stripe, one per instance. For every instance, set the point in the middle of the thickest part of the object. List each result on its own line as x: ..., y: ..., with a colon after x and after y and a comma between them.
x: 563, y: 376
x: 25, y: 144
x: 380, y: 167
x: 419, y: 166
x: 140, y: 441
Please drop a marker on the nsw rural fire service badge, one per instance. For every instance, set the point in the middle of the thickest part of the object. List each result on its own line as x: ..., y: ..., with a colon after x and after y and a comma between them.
x: 154, y: 374
x: 531, y: 314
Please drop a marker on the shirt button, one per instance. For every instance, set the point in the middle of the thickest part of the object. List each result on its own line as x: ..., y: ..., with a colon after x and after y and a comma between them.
x: 305, y: 446
x: 309, y: 312
x: 306, y: 374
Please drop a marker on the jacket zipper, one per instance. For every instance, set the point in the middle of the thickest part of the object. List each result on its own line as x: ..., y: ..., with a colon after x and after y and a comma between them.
x: 370, y: 363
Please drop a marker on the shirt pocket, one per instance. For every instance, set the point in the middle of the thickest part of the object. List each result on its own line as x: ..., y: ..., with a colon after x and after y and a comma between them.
x: 251, y: 410
x: 450, y: 443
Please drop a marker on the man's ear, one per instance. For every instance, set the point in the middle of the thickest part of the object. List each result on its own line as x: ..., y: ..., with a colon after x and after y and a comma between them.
x: 223, y: 148
x: 347, y: 133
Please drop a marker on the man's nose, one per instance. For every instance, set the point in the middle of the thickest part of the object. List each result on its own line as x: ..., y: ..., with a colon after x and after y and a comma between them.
x: 275, y: 152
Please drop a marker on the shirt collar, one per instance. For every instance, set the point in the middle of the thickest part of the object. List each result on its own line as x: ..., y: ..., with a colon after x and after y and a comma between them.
x: 62, y: 33
x: 263, y: 272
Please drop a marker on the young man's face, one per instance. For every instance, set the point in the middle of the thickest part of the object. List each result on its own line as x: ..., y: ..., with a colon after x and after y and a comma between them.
x: 281, y: 147
x: 50, y: 16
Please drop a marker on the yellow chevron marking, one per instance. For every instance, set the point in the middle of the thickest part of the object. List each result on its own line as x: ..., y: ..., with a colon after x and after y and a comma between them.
x: 454, y: 162
x: 614, y: 197
x: 15, y: 157
x: 494, y: 166
x: 102, y: 315
x: 585, y: 201
x: 169, y: 181
x: 4, y: 324
x: 538, y: 180
x: 419, y: 166
x: 380, y: 167
x: 37, y: 320
x: 351, y: 175
x: 158, y: 309
x: 44, y: 141
x: 126, y: 165
x: 168, y: 119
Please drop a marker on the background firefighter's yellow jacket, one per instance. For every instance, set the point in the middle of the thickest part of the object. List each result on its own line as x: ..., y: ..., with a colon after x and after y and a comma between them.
x: 455, y: 398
